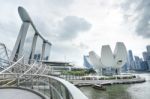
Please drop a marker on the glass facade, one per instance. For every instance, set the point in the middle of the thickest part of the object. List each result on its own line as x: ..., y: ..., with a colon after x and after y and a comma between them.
x: 28, y: 43
x: 38, y: 49
x: 47, y: 51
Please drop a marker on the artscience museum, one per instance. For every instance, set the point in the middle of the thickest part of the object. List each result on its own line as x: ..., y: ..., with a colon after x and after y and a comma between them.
x: 109, y: 62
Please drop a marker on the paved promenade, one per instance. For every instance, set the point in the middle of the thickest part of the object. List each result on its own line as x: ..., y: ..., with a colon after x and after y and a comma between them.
x: 18, y: 94
x: 105, y: 82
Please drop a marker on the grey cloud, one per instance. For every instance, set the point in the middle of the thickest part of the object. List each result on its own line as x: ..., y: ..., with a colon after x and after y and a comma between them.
x: 143, y: 26
x: 66, y: 52
x: 70, y: 27
x: 42, y: 13
x: 9, y: 29
x: 142, y: 8
x: 45, y: 15
x: 61, y: 2
x: 81, y: 45
x: 42, y: 26
x: 126, y: 4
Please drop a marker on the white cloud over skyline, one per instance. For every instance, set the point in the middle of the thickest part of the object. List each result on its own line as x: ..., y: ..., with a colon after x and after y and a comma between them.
x: 76, y: 27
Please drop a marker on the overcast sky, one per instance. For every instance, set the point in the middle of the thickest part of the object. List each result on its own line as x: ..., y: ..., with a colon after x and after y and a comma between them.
x: 76, y: 27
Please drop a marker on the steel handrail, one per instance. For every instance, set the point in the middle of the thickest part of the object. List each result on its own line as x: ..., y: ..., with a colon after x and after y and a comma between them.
x: 74, y: 92
x: 11, y: 65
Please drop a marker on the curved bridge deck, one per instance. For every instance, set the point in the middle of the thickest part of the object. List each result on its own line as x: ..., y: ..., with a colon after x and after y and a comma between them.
x: 19, y: 93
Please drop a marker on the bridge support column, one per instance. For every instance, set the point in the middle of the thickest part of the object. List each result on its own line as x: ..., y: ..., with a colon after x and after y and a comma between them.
x: 18, y: 80
x: 43, y: 50
x: 33, y: 48
x: 17, y: 51
x: 50, y: 90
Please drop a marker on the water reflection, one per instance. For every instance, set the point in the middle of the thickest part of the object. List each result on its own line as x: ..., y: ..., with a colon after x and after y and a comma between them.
x: 130, y: 91
x: 141, y: 91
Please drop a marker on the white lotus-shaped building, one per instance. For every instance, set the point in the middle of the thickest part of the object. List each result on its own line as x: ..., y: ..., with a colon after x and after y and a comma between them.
x: 108, y: 58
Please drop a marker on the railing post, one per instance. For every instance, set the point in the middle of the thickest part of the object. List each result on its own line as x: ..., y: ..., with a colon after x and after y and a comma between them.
x: 18, y: 80
x: 44, y: 86
x: 67, y: 94
x: 50, y: 90
x: 38, y: 83
x: 31, y: 81
x: 25, y: 82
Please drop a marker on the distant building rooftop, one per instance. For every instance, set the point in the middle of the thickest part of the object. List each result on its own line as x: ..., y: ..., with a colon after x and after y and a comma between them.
x: 57, y: 63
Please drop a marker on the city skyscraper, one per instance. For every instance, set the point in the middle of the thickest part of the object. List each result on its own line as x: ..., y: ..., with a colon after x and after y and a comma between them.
x: 130, y: 55
x: 138, y: 62
x: 144, y: 65
x: 146, y: 56
x: 148, y: 63
x: 131, y: 60
x: 148, y: 48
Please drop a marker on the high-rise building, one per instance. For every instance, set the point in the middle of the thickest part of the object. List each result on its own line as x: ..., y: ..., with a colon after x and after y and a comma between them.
x: 131, y: 60
x: 130, y: 55
x: 146, y: 56
x: 148, y: 48
x: 144, y: 65
x: 138, y: 62
x: 87, y: 62
x: 148, y: 63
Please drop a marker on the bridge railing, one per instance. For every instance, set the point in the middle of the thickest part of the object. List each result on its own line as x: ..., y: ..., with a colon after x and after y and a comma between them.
x: 53, y: 87
x: 34, y: 76
x: 4, y: 57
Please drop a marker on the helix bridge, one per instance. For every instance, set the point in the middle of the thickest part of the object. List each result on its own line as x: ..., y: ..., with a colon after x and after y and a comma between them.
x: 23, y: 69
